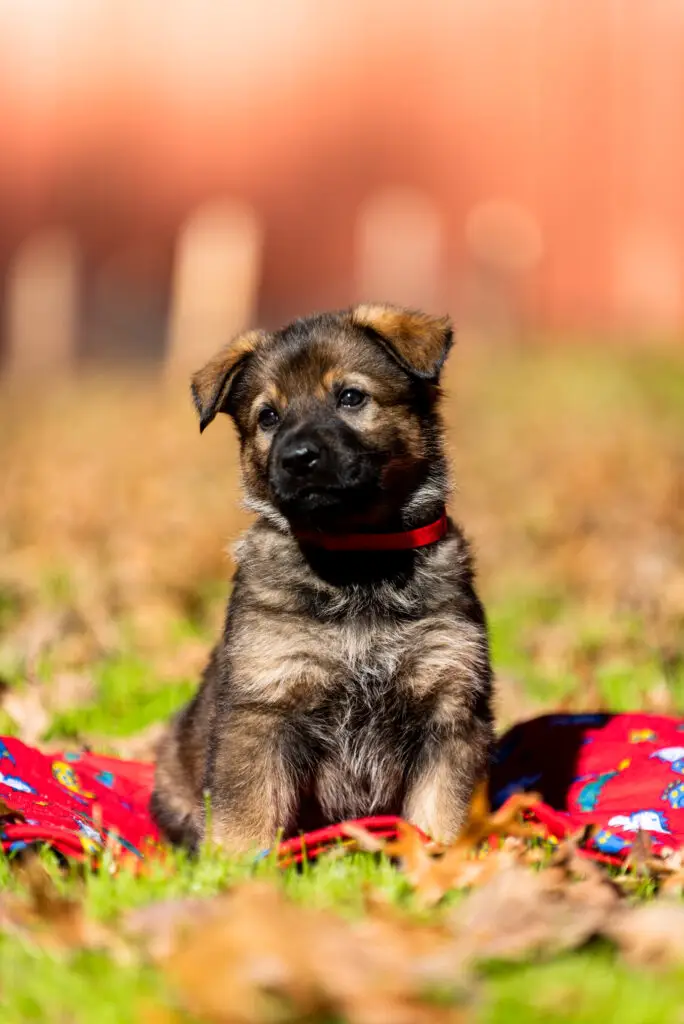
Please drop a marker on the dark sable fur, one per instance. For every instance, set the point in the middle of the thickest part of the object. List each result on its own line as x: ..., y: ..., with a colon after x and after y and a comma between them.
x: 344, y: 684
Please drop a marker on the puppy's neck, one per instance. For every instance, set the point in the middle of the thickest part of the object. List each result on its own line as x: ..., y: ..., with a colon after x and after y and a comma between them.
x: 359, y: 570
x: 350, y: 568
x: 428, y: 500
x: 423, y: 506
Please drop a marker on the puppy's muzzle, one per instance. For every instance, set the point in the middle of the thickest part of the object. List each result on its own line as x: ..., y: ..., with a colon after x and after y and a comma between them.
x: 301, y: 457
x: 315, y: 466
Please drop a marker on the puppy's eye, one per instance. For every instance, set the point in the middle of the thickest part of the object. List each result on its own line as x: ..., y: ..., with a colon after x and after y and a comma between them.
x: 351, y: 398
x: 268, y: 418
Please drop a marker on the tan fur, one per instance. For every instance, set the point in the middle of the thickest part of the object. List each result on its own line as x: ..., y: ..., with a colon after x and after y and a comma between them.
x: 211, y: 384
x: 417, y: 338
x: 343, y: 686
x: 438, y: 800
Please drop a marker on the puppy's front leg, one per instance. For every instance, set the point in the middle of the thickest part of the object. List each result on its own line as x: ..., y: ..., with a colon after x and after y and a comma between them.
x: 449, y: 766
x: 252, y: 785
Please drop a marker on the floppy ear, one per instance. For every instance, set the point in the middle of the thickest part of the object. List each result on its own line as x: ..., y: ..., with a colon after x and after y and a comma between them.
x: 211, y: 385
x: 418, y: 342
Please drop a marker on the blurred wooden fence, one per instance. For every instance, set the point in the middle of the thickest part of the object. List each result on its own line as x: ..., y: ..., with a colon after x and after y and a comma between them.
x: 399, y: 255
x: 173, y: 171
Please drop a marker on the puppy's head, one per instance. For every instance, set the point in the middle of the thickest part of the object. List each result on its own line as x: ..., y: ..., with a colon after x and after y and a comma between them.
x: 336, y: 413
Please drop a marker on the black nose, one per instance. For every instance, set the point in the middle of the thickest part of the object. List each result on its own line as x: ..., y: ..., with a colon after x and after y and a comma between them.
x: 300, y: 457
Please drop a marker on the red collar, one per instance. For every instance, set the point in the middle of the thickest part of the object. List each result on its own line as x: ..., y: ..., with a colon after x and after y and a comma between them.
x: 404, y: 541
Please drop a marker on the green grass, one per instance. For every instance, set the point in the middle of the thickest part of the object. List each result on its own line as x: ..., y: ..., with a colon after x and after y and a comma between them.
x: 89, y: 987
x: 128, y: 698
x: 623, y: 676
x: 589, y: 987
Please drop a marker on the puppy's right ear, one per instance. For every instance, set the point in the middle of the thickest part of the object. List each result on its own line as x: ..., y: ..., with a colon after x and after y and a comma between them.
x: 212, y: 384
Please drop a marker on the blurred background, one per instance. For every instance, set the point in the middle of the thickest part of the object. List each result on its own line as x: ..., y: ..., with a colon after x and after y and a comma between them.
x: 519, y: 162
x: 175, y: 170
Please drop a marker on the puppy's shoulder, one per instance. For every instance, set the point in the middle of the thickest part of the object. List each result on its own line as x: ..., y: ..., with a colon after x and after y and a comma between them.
x: 447, y: 570
x: 271, y: 568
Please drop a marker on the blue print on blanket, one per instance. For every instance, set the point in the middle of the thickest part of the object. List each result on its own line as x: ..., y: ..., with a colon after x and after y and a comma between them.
x: 674, y: 756
x: 606, y: 842
x: 5, y: 754
x: 674, y: 794
x: 17, y: 784
x: 641, y: 821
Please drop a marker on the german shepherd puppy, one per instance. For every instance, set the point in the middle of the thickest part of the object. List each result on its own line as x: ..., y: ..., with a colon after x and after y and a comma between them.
x: 353, y: 675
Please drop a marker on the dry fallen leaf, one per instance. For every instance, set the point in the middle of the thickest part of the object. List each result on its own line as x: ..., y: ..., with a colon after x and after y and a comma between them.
x: 520, y: 913
x: 252, y: 955
x: 433, y: 870
x: 483, y: 823
x: 54, y: 921
x: 583, y: 878
x: 640, y: 859
x: 157, y: 926
x: 363, y: 839
x: 9, y: 814
x: 141, y: 746
x: 27, y: 708
x: 650, y: 935
x: 671, y: 882
x: 420, y: 867
x: 68, y: 690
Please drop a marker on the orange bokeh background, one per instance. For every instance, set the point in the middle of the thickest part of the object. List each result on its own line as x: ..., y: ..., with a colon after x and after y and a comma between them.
x: 545, y: 139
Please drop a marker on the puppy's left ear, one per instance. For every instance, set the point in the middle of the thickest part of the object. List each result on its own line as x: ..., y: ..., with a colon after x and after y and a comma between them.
x: 211, y: 386
x: 418, y: 342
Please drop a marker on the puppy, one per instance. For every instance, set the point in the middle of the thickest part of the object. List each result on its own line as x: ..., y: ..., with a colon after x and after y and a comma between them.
x: 353, y: 674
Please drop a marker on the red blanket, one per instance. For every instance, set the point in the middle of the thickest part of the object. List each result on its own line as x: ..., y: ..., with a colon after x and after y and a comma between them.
x: 622, y: 772
x: 78, y: 803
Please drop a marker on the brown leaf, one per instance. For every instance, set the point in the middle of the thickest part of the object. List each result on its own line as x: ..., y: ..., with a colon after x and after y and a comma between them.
x: 363, y: 839
x: 673, y: 886
x: 435, y: 870
x: 54, y: 921
x: 482, y: 823
x: 252, y: 955
x: 422, y: 870
x: 640, y: 857
x: 68, y: 690
x: 433, y: 876
x: 649, y: 935
x: 580, y: 876
x: 157, y: 925
x: 27, y: 708
x: 669, y: 869
x: 9, y: 814
x: 141, y: 746
x: 457, y: 867
x: 521, y: 913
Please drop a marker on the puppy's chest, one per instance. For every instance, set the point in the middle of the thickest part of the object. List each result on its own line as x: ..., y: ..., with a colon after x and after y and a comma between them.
x: 356, y: 666
x: 368, y: 677
x: 366, y: 712
x: 368, y: 656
